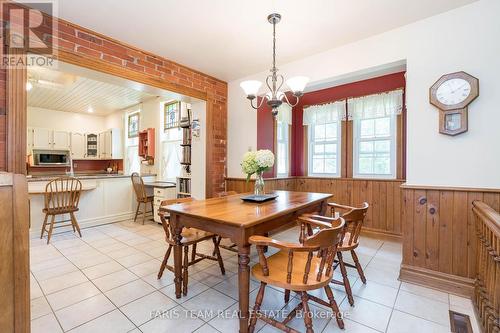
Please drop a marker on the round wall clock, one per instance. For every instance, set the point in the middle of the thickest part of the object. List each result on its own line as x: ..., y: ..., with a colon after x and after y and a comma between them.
x: 451, y: 94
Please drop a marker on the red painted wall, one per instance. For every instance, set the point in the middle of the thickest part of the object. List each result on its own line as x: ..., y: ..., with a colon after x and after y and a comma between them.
x: 265, y: 132
x: 355, y: 89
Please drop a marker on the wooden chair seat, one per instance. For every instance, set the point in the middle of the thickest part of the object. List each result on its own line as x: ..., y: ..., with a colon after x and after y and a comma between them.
x: 141, y: 197
x: 277, y: 264
x: 61, y: 210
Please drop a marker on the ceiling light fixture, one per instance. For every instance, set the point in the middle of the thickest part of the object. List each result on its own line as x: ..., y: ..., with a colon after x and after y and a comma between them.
x: 90, y: 110
x: 275, y: 97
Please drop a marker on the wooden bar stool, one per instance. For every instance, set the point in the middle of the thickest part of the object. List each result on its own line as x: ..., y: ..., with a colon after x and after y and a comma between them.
x: 141, y: 196
x: 190, y: 237
x: 62, y: 196
x: 300, y: 268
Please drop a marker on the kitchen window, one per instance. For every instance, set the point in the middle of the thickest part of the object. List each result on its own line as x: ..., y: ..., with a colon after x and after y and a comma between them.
x: 132, y: 160
x: 171, y: 115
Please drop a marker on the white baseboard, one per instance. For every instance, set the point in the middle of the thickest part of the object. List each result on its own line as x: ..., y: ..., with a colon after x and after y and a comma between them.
x: 87, y: 223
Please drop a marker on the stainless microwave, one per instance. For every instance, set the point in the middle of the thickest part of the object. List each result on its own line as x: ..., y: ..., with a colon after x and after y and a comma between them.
x: 56, y: 158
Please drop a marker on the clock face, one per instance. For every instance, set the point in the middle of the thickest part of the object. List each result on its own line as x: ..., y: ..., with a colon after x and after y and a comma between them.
x: 453, y: 91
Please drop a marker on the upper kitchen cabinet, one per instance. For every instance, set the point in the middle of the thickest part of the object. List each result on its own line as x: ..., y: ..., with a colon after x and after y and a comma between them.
x: 44, y: 138
x: 78, y: 146
x: 60, y: 140
x: 110, y: 144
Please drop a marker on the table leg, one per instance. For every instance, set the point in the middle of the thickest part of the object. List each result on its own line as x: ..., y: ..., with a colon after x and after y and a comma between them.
x: 244, y: 285
x: 177, y: 256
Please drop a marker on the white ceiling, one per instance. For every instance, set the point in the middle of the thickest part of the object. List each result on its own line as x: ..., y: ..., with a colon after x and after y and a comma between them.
x: 230, y: 39
x: 62, y: 91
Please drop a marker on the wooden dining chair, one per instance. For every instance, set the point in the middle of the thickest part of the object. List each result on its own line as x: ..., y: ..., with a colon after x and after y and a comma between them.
x: 354, y: 217
x: 62, y: 196
x: 231, y: 247
x: 299, y: 267
x: 141, y: 196
x: 190, y: 237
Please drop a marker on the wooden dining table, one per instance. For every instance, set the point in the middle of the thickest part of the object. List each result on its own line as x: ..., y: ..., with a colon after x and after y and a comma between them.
x: 233, y: 218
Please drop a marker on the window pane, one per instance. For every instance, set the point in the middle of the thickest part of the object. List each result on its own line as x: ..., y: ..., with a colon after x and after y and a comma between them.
x: 367, y: 128
x: 382, y: 165
x: 282, y: 157
x: 318, y: 165
x: 331, y: 148
x: 331, y: 130
x: 383, y: 146
x: 383, y: 127
x: 365, y: 165
x: 366, y: 147
x: 319, y: 149
x: 331, y: 165
x: 319, y: 132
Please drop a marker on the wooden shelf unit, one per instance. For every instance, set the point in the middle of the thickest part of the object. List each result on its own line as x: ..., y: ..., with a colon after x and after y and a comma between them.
x: 147, y: 144
x: 184, y: 182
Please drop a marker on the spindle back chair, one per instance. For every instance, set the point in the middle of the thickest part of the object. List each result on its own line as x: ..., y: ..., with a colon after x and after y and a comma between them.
x: 141, y: 196
x: 62, y: 196
x: 299, y: 267
x: 190, y: 237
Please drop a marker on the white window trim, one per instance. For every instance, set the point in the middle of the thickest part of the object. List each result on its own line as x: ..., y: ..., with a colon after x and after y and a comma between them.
x: 288, y: 155
x: 310, y: 147
x: 393, y: 153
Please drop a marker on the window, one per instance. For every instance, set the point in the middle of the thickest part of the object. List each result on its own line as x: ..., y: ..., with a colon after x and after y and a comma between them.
x: 133, y: 125
x: 374, y: 134
x: 324, y: 149
x: 171, y: 154
x: 172, y: 115
x: 283, y: 148
x: 324, y: 128
x: 132, y: 160
x: 375, y: 147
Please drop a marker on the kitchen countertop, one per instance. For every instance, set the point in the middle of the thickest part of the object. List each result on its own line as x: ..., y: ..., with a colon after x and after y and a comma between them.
x: 83, y: 176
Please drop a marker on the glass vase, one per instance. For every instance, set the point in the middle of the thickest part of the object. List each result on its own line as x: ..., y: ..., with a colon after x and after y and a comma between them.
x: 259, y: 183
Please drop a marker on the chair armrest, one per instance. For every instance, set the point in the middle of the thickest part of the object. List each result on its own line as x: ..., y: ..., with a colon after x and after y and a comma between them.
x: 313, y: 221
x: 336, y: 205
x: 266, y: 241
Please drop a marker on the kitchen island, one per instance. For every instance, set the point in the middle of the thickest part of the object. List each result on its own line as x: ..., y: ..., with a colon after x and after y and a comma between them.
x: 105, y: 198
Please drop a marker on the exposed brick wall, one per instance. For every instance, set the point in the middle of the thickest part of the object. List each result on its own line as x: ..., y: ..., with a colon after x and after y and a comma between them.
x: 89, y: 44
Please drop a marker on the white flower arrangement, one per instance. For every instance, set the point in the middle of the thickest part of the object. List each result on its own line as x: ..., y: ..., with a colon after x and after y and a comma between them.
x: 258, y: 161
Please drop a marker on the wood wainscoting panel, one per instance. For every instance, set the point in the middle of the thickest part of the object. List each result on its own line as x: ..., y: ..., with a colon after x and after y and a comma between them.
x: 14, y: 259
x: 439, y: 239
x: 384, y: 196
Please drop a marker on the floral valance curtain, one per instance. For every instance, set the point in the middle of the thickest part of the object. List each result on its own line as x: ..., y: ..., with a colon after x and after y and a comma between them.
x: 285, y: 114
x: 378, y: 105
x: 324, y: 113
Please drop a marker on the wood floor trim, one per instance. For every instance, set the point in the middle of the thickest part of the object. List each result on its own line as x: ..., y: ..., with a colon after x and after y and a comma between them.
x: 452, y: 284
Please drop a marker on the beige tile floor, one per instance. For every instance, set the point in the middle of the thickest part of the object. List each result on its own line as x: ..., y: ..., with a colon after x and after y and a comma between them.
x: 106, y: 282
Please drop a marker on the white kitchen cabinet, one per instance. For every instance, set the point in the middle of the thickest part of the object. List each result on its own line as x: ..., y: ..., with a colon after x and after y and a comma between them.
x: 77, y: 146
x: 29, y: 141
x: 42, y: 138
x: 60, y: 140
x: 110, y: 144
x: 48, y: 139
